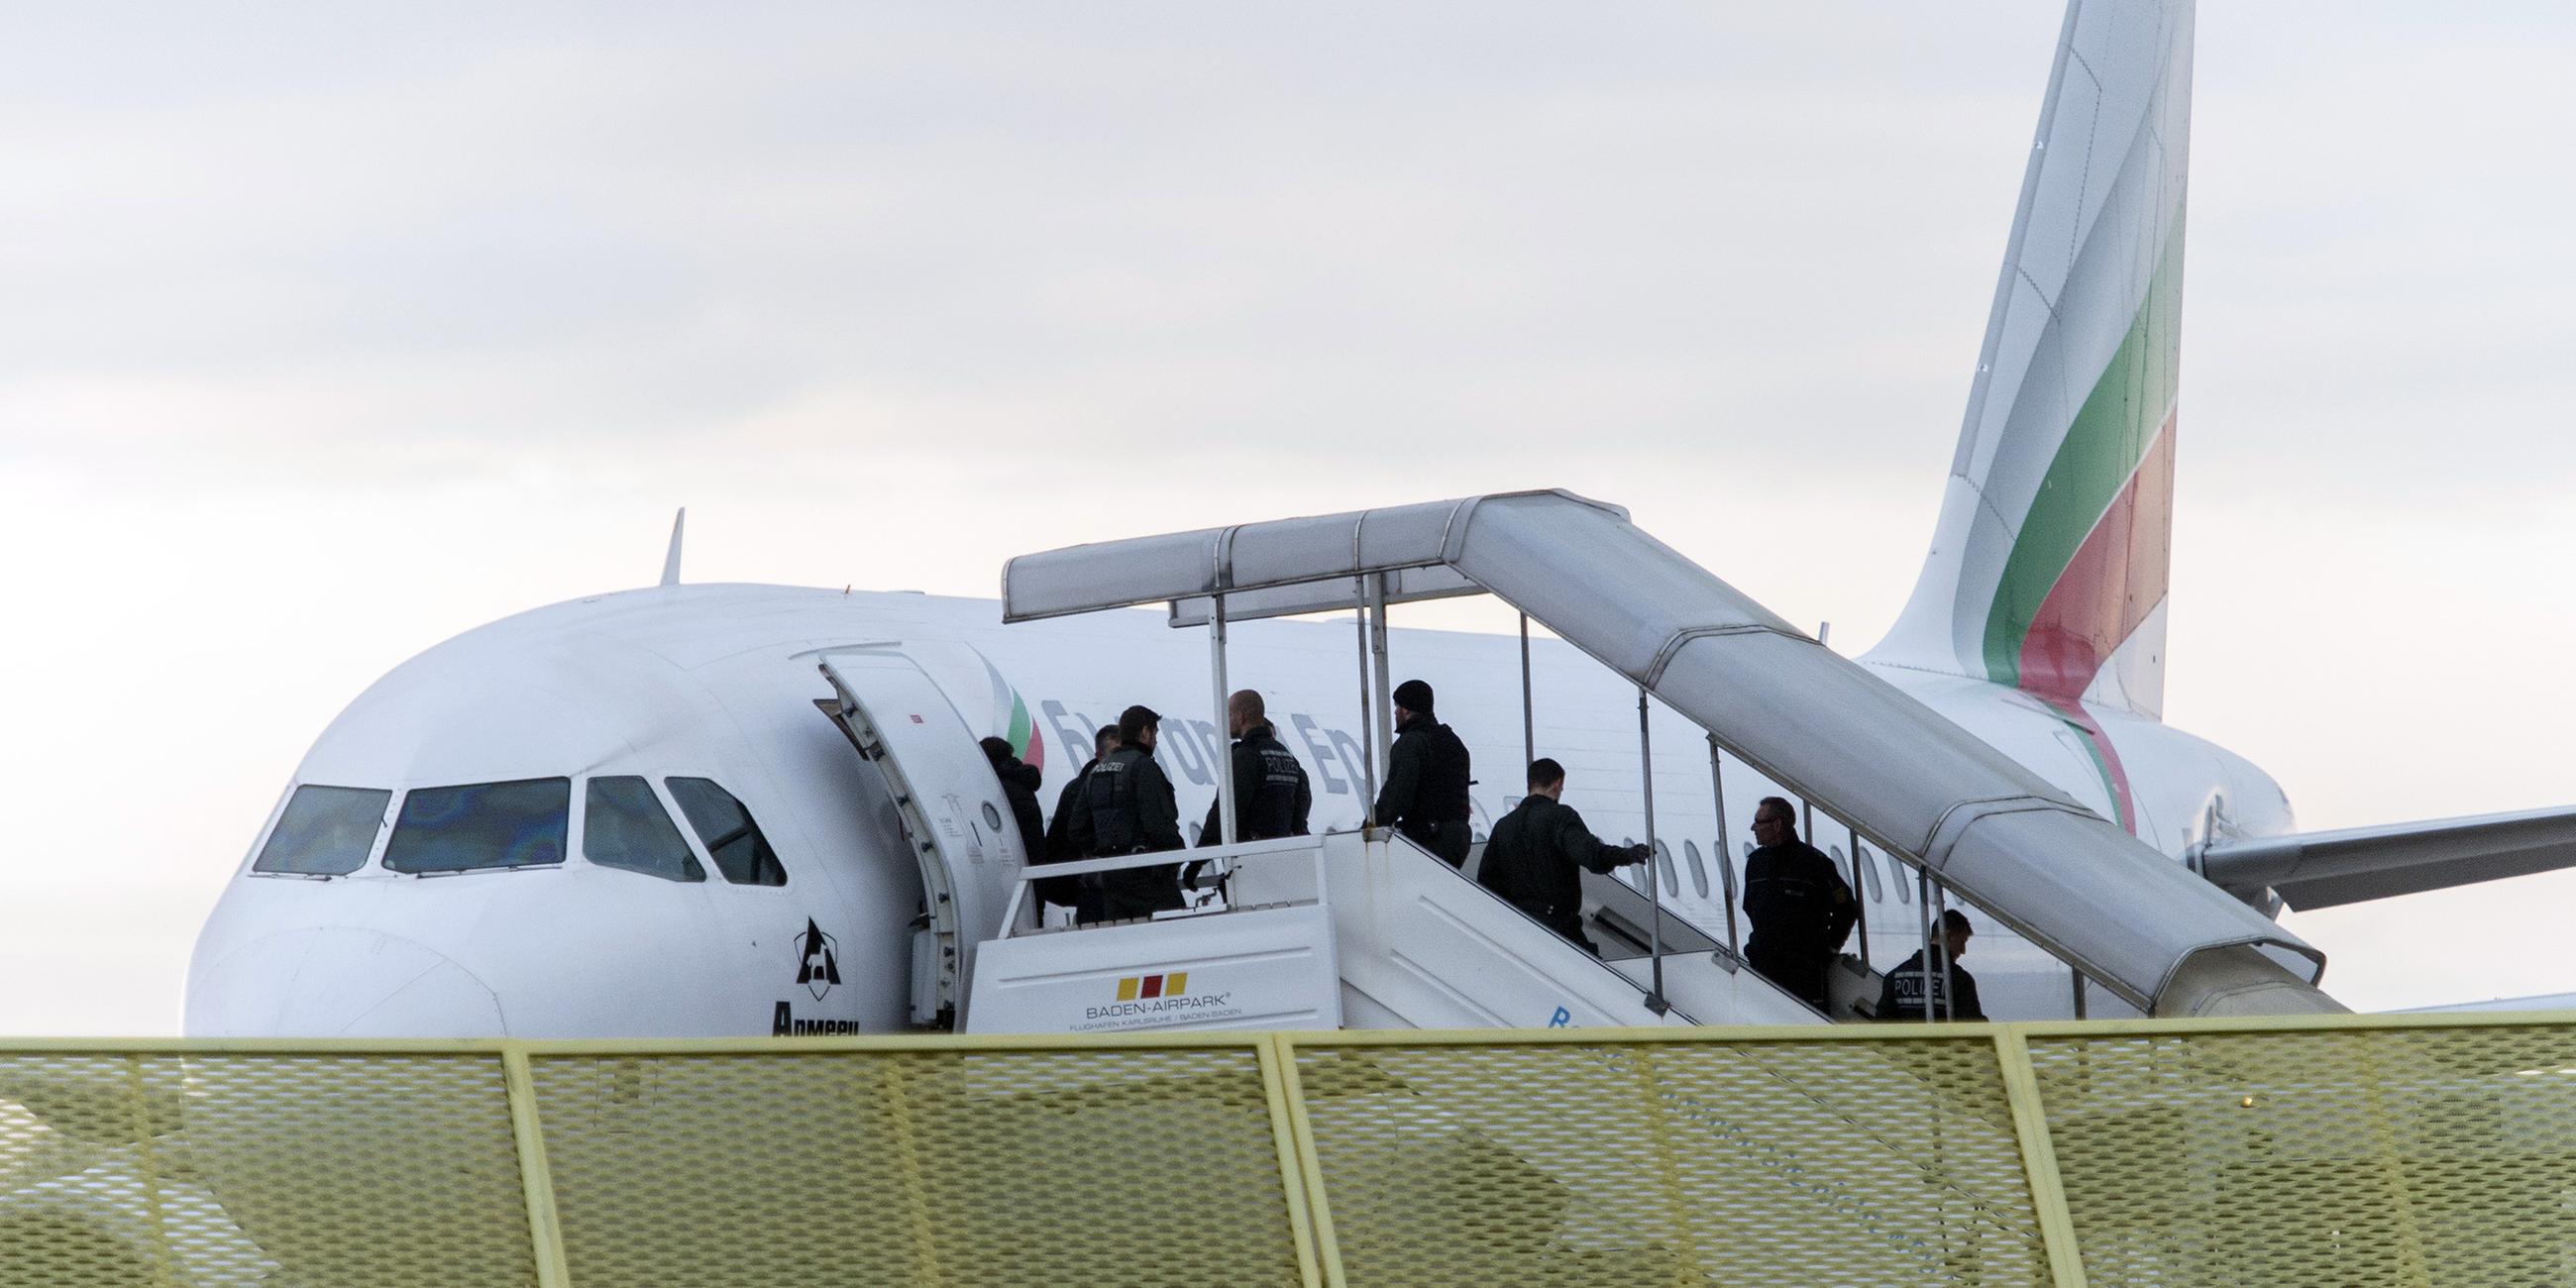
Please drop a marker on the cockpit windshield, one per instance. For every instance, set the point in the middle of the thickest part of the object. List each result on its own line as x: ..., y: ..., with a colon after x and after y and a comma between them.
x: 623, y: 826
x: 481, y: 825
x: 732, y: 839
x: 324, y: 831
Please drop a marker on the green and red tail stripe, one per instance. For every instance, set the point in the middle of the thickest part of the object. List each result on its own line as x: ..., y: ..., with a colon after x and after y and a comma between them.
x: 2089, y: 561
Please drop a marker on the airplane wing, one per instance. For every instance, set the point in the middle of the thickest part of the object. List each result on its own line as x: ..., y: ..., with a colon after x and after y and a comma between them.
x: 2536, y: 1002
x: 2353, y: 865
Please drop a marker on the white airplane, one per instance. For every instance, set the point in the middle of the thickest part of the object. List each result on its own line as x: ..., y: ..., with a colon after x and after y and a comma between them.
x: 625, y: 815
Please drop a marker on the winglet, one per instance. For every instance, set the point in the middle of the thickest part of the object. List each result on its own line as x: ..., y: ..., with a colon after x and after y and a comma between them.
x: 671, y: 561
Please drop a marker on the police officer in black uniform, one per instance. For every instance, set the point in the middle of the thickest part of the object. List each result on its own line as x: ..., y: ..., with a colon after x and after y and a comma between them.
x: 1800, y: 907
x: 1903, y: 996
x: 1426, y: 778
x: 1533, y: 857
x: 1271, y: 797
x: 1068, y: 803
x: 1070, y: 892
x: 1129, y: 809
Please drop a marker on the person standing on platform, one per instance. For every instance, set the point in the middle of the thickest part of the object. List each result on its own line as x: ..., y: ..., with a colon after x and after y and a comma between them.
x: 1903, y: 996
x: 1800, y: 907
x: 1425, y: 796
x: 1069, y: 892
x: 1067, y: 802
x: 1020, y: 782
x: 1537, y: 854
x: 1271, y: 796
x: 1020, y: 787
x: 1129, y: 809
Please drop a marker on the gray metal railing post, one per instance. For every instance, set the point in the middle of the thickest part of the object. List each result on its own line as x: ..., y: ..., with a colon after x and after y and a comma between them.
x: 1725, y: 863
x: 1383, y: 698
x: 1368, y: 726
x: 1654, y: 862
x: 1224, y: 720
x: 1529, y: 720
x: 1923, y: 905
x: 1860, y: 896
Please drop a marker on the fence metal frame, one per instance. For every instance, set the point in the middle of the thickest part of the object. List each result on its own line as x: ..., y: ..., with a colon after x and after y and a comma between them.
x: 1307, y: 1196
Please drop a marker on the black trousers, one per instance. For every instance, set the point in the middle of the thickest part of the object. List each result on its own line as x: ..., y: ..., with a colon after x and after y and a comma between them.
x: 1448, y: 838
x: 1127, y: 894
x: 1800, y: 970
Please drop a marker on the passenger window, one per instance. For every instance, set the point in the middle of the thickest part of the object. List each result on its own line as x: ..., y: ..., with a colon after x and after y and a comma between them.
x: 1699, y: 872
x: 1864, y: 872
x: 624, y: 826
x: 732, y: 839
x: 325, y: 831
x: 481, y: 826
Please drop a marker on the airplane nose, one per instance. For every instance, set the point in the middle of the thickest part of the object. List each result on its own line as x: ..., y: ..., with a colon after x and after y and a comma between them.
x: 340, y: 982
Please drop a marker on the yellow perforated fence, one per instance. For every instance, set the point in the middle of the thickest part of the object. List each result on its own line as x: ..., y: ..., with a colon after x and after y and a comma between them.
x: 2342, y: 1151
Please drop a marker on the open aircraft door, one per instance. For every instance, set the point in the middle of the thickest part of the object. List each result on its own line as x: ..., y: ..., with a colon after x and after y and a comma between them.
x: 952, y: 809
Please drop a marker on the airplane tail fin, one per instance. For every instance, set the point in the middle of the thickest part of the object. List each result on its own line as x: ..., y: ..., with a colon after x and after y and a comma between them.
x: 2048, y: 567
x: 671, y: 557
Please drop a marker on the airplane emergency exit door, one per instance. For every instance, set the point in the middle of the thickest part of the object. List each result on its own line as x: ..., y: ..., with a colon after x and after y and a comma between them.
x: 954, y: 814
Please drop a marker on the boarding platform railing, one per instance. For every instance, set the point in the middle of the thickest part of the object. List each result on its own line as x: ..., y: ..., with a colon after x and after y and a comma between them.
x: 2294, y: 1152
x: 1360, y: 929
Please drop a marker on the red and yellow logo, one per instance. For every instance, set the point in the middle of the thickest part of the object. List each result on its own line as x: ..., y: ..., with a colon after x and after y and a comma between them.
x: 1137, y: 987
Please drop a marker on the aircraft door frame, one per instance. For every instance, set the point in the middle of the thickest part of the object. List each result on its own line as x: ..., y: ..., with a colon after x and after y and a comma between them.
x: 954, y: 814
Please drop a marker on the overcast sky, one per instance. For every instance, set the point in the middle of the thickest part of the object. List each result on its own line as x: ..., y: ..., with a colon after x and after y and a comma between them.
x: 327, y: 334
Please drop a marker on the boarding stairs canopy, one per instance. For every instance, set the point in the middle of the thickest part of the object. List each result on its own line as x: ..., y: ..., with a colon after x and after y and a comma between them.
x: 1818, y: 724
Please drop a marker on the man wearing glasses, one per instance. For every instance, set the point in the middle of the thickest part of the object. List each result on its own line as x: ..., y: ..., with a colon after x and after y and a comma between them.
x: 1799, y: 905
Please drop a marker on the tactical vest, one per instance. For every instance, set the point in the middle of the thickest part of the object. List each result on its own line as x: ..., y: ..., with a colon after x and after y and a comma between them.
x: 1110, y: 795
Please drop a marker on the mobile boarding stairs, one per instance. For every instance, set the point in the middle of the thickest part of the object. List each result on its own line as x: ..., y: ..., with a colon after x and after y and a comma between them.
x: 1365, y: 930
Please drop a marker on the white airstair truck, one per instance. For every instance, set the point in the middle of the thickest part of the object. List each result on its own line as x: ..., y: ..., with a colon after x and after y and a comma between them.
x: 1365, y: 930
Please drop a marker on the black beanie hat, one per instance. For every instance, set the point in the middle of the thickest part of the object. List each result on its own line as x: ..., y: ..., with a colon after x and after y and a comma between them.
x: 1414, y: 696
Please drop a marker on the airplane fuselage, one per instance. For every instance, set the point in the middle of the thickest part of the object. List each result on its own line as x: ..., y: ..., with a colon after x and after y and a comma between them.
x: 720, y: 683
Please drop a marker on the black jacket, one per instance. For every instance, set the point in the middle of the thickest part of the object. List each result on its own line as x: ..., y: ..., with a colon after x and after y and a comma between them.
x: 1901, y: 997
x: 1020, y: 787
x: 1271, y: 797
x: 1066, y: 892
x: 1426, y: 789
x: 1797, y: 900
x: 1532, y: 860
x: 1128, y: 808
x: 1059, y: 834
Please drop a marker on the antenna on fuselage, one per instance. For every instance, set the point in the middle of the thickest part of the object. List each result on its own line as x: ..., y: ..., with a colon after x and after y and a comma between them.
x: 671, y: 561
